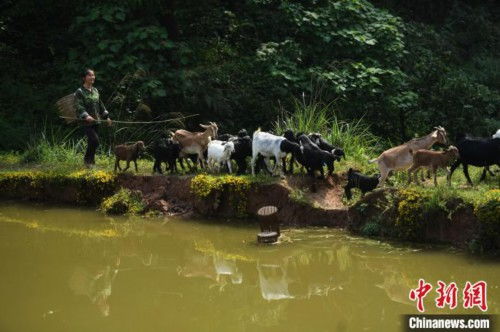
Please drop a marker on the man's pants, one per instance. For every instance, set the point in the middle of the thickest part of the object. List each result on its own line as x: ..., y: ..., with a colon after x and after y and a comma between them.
x: 93, y: 143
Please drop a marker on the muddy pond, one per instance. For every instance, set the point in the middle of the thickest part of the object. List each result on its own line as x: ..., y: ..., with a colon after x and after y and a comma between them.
x: 65, y: 269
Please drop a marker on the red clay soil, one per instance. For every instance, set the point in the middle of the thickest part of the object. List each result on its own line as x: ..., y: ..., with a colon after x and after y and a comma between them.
x: 172, y: 196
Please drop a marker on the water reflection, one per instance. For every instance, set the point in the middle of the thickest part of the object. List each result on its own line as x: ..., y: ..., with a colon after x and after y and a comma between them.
x: 273, y: 281
x: 187, y: 276
x: 95, y: 283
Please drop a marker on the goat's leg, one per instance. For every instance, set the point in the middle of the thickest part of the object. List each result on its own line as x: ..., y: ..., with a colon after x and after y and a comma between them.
x: 283, y: 164
x: 201, y: 159
x: 252, y: 162
x: 448, y: 177
x: 434, y: 170
x: 157, y: 166
x: 347, y: 191
x: 292, y: 161
x: 384, y: 172
x: 229, y: 166
x: 117, y: 164
x: 410, y: 171
x: 270, y: 169
x: 181, y: 162
x: 321, y: 172
x: 173, y: 166
x: 453, y: 168
x: 483, y: 175
x: 135, y: 164
x: 466, y: 173
x: 127, y: 166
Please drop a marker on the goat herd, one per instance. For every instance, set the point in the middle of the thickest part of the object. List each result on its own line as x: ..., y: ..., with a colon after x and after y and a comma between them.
x: 312, y: 152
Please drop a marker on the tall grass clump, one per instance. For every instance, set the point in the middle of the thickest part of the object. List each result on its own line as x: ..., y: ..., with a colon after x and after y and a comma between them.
x: 58, y: 147
x: 355, y: 138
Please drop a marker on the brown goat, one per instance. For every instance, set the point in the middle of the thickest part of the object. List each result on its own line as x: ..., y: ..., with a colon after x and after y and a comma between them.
x: 432, y: 160
x: 399, y: 158
x: 197, y: 142
x: 128, y: 152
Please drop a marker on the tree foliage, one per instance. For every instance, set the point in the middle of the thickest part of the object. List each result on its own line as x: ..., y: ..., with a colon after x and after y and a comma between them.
x: 402, y: 66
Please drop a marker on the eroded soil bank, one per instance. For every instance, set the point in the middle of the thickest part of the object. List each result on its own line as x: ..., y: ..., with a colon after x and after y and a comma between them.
x: 410, y: 214
x: 173, y: 196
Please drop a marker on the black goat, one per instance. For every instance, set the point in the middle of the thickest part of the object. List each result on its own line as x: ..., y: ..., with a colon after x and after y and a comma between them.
x: 357, y: 180
x: 289, y: 135
x: 480, y: 152
x: 313, y: 158
x: 242, y: 150
x: 166, y: 150
x: 324, y: 145
x: 229, y: 137
x: 225, y: 137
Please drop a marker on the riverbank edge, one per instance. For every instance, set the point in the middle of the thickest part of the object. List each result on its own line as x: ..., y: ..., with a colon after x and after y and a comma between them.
x: 405, y: 214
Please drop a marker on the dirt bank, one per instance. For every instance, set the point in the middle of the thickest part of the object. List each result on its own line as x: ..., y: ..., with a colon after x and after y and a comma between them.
x: 173, y: 196
x: 412, y: 214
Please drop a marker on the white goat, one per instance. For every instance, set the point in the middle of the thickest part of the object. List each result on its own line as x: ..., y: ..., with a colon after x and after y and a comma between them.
x: 497, y: 134
x: 219, y: 152
x: 269, y: 145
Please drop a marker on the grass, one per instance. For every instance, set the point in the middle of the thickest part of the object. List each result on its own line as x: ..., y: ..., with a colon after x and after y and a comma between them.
x: 60, y: 149
x: 355, y: 138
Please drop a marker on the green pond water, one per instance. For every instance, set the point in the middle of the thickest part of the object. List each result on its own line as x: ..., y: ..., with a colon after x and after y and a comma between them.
x: 65, y: 269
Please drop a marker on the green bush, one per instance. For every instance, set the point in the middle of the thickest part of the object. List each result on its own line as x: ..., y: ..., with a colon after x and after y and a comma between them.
x: 487, y: 211
x: 124, y: 201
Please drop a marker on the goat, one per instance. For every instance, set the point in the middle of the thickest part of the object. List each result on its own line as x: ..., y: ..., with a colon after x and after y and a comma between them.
x: 128, y: 152
x: 220, y: 152
x: 355, y: 179
x: 225, y: 137
x: 497, y: 134
x: 478, y: 152
x: 166, y: 150
x: 289, y: 135
x: 197, y: 142
x: 242, y: 150
x: 230, y: 137
x: 399, y: 157
x: 432, y: 160
x: 313, y: 158
x: 269, y: 145
x: 324, y: 145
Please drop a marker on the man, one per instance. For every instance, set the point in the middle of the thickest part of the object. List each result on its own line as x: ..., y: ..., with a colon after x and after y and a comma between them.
x: 91, y: 109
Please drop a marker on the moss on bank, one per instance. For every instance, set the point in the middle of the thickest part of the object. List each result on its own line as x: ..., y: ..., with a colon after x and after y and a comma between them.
x: 125, y: 201
x: 423, y: 215
x: 236, y: 187
x: 81, y: 187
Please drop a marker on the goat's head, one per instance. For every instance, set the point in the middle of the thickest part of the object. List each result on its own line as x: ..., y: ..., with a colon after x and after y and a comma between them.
x: 228, y: 148
x: 315, y: 137
x: 211, y: 128
x: 289, y: 135
x: 291, y: 147
x: 140, y: 145
x: 242, y: 133
x: 338, y: 153
x: 440, y: 135
x: 453, y: 151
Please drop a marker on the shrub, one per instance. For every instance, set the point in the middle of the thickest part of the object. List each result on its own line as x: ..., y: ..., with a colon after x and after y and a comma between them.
x: 487, y: 211
x: 124, y: 201
x: 203, y: 185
